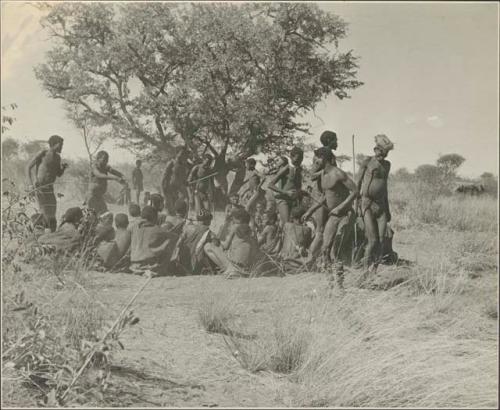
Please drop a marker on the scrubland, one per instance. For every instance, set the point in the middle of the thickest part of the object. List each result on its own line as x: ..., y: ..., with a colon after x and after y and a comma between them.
x: 425, y: 335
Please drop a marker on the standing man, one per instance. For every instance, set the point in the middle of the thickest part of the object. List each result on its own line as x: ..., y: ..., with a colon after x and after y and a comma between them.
x: 137, y: 180
x: 200, y: 177
x: 374, y: 206
x: 173, y: 183
x: 100, y: 173
x: 328, y: 140
x: 48, y: 167
x: 290, y: 184
x: 339, y: 192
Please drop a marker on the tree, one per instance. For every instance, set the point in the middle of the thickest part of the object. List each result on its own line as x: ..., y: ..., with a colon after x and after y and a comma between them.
x: 403, y: 174
x: 341, y: 159
x: 211, y: 76
x: 430, y: 174
x: 7, y: 120
x: 10, y: 149
x: 31, y: 148
x: 360, y: 159
x: 449, y: 164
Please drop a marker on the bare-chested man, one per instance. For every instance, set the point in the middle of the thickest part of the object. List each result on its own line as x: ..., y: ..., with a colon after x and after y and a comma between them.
x: 101, y: 172
x: 328, y: 139
x: 339, y: 192
x: 374, y: 203
x: 203, y: 184
x: 237, y: 165
x: 173, y: 182
x: 289, y: 179
x: 137, y: 180
x: 48, y: 167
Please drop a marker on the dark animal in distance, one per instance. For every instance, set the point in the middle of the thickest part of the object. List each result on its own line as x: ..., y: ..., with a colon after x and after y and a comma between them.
x: 470, y: 189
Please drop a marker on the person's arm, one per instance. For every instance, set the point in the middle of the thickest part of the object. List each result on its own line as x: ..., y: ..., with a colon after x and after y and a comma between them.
x: 315, y: 206
x: 101, y: 175
x: 192, y: 174
x: 386, y: 196
x: 62, y: 167
x: 227, y: 242
x: 116, y: 173
x: 272, y: 184
x: 34, y: 163
x: 351, y: 186
x: 361, y: 174
x: 253, y: 199
x: 262, y: 237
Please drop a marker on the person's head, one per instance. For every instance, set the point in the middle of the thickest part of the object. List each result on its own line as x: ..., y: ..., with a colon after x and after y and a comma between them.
x: 204, y: 217
x: 328, y: 139
x: 270, y: 218
x: 73, y: 215
x: 296, y: 214
x: 254, y: 181
x: 138, y: 163
x: 147, y: 197
x: 106, y: 218
x: 102, y: 158
x: 134, y: 210
x: 382, y: 146
x: 181, y: 208
x: 240, y: 216
x: 234, y: 199
x: 121, y: 221
x: 309, y: 188
x: 157, y: 202
x: 38, y: 221
x: 207, y: 161
x: 322, y: 156
x: 250, y: 164
x: 56, y: 143
x: 259, y: 207
x: 296, y: 156
x: 149, y: 213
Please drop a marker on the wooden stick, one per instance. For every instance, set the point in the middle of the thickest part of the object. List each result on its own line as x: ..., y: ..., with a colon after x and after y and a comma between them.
x: 91, y: 353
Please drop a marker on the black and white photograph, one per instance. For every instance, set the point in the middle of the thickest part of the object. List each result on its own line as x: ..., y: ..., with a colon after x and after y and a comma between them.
x: 249, y: 204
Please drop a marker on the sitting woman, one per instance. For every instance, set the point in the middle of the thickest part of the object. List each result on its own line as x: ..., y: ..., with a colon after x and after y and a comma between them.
x: 104, y: 230
x: 67, y: 237
x: 239, y: 254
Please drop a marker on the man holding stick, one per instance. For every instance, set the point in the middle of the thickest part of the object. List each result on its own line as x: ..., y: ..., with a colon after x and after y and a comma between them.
x: 201, y: 176
x: 339, y: 193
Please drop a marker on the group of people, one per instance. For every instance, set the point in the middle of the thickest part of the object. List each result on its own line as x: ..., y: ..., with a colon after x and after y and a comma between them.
x: 269, y: 219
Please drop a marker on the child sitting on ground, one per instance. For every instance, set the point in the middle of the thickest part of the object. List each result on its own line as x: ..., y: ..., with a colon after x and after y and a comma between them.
x: 104, y: 230
x: 297, y: 237
x: 268, y: 239
x: 134, y: 212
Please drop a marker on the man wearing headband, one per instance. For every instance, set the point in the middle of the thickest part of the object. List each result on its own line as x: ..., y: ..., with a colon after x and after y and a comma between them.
x: 374, y: 203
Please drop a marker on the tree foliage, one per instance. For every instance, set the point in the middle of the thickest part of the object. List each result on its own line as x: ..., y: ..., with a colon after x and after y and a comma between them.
x: 215, y: 76
x: 449, y: 163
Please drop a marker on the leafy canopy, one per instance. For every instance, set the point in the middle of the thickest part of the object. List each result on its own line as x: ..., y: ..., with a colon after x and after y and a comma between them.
x: 217, y: 76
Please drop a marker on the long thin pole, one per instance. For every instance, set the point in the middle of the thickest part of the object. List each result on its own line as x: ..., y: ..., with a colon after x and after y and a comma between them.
x: 355, y: 211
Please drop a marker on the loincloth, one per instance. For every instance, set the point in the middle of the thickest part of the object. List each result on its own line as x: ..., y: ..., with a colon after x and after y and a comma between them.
x: 376, y: 206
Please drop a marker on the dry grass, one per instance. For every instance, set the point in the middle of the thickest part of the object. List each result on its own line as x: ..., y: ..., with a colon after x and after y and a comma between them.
x: 374, y: 353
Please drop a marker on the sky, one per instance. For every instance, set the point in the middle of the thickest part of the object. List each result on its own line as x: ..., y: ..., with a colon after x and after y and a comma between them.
x: 430, y: 73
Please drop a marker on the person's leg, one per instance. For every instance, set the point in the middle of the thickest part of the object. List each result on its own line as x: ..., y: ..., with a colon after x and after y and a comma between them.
x: 217, y: 256
x: 372, y: 241
x: 382, y: 228
x: 319, y: 217
x: 284, y: 212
